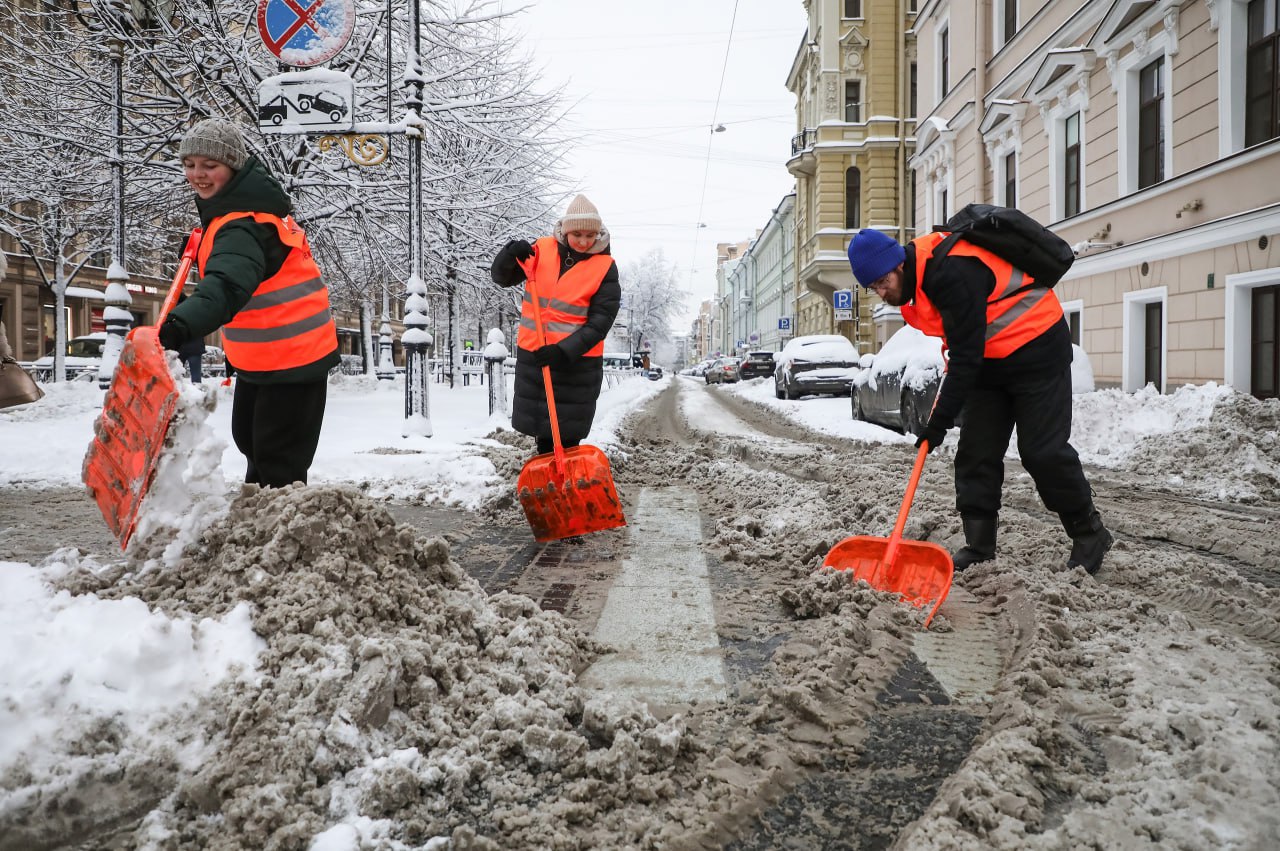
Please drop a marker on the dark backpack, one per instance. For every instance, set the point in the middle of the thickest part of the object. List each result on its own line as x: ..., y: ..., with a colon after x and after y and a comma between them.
x: 1013, y: 236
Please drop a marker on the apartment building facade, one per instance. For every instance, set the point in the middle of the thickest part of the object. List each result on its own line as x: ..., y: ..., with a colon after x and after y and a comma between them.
x: 759, y: 288
x: 854, y: 80
x: 1147, y: 134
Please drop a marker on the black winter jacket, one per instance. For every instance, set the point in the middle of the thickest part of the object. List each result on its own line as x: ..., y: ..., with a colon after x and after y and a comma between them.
x: 577, y: 384
x: 959, y: 287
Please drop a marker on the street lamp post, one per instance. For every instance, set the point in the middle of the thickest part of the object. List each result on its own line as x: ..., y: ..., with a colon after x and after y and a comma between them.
x: 115, y: 312
x: 416, y: 339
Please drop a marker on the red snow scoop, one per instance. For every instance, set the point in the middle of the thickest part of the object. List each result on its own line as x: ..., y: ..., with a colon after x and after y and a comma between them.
x: 129, y: 434
x: 566, y: 492
x: 918, y: 570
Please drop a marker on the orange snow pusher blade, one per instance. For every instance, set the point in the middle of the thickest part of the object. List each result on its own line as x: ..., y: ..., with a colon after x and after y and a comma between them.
x: 919, y: 571
x: 129, y: 434
x: 573, y: 497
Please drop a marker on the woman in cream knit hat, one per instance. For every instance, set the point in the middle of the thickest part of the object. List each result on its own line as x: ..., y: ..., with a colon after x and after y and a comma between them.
x: 577, y: 283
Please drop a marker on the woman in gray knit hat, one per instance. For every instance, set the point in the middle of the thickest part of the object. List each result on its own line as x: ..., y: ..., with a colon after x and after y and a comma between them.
x: 260, y: 285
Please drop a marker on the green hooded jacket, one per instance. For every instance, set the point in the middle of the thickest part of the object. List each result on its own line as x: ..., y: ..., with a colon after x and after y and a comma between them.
x: 245, y: 253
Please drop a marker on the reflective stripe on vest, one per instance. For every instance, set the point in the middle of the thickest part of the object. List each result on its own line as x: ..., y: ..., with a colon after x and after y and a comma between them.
x: 286, y: 322
x: 1018, y: 311
x: 564, y: 299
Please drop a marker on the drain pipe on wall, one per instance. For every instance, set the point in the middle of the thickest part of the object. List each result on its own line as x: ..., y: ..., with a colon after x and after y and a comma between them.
x: 903, y: 67
x: 983, y: 23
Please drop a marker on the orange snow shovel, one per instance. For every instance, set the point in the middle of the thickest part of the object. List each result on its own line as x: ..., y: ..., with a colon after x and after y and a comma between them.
x: 918, y: 570
x: 566, y: 492
x: 129, y: 434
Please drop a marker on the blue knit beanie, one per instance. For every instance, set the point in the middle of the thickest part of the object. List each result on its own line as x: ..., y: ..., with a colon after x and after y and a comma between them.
x: 873, y: 254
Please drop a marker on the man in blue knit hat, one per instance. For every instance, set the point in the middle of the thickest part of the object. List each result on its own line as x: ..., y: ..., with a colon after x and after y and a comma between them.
x: 1009, y: 365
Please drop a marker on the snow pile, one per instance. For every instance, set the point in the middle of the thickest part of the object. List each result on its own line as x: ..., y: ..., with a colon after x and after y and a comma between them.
x: 397, y: 690
x: 1208, y: 439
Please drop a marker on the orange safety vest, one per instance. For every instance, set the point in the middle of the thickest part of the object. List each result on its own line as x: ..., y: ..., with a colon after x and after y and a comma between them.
x: 1018, y: 310
x: 286, y: 323
x: 564, y: 299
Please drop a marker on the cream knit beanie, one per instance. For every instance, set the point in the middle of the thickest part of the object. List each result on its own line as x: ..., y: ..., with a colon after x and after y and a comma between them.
x: 581, y: 215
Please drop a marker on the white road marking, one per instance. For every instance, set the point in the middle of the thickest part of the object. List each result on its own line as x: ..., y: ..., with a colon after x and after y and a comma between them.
x: 659, y: 614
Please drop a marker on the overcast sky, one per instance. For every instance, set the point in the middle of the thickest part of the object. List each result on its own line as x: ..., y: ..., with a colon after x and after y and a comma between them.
x: 642, y: 80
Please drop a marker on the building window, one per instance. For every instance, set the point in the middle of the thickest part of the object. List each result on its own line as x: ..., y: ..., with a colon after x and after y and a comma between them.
x: 944, y: 61
x: 1008, y: 20
x: 911, y: 92
x: 852, y: 198
x: 852, y: 8
x: 943, y: 211
x: 1151, y: 124
x: 1262, y: 73
x: 852, y: 100
x: 1011, y: 179
x: 1071, y: 165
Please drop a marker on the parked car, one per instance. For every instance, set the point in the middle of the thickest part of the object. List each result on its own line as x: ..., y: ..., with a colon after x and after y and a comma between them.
x: 723, y: 371
x: 654, y: 373
x: 84, y: 355
x: 756, y: 365
x: 815, y: 363
x: 897, y: 388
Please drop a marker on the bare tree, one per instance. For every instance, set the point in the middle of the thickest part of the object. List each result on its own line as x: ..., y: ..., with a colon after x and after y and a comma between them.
x: 487, y: 144
x: 650, y: 297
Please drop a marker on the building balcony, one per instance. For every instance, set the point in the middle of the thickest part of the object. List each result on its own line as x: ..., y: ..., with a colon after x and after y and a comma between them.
x: 803, y: 161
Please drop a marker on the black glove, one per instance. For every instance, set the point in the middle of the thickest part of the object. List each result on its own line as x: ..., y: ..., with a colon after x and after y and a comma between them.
x: 931, y: 433
x: 171, y: 334
x: 550, y: 355
x: 520, y: 249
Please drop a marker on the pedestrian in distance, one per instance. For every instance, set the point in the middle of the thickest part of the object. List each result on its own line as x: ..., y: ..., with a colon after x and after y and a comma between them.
x: 1009, y: 365
x: 191, y: 353
x: 579, y: 295
x: 260, y: 284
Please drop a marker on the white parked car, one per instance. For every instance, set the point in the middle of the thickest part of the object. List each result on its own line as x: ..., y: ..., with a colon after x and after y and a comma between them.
x: 815, y: 363
x: 84, y: 355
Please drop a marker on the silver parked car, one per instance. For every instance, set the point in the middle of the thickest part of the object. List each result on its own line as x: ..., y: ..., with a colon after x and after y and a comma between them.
x: 723, y: 371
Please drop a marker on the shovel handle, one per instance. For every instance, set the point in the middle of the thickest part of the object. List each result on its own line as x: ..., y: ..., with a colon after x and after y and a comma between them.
x: 180, y: 279
x: 546, y: 370
x: 891, y: 552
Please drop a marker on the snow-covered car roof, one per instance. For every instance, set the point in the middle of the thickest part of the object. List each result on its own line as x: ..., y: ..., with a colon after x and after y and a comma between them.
x: 910, y: 352
x: 818, y: 347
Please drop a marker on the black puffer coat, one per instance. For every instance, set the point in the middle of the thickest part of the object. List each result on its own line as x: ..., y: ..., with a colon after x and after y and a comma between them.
x: 577, y: 384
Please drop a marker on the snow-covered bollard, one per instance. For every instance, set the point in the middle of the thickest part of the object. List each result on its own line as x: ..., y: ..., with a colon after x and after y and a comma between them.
x: 495, y: 359
x: 386, y: 366
x: 118, y: 320
x: 417, y: 341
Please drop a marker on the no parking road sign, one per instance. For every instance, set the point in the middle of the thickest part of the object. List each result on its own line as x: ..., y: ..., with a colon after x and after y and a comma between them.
x: 305, y: 32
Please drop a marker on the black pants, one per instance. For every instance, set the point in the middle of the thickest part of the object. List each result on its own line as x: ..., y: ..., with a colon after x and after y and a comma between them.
x: 546, y: 445
x: 1040, y: 406
x: 277, y: 428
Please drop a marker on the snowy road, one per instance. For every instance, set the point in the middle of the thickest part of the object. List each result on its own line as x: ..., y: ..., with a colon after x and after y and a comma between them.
x: 1043, y: 709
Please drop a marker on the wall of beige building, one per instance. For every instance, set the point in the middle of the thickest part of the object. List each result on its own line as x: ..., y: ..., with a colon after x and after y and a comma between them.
x: 1196, y: 242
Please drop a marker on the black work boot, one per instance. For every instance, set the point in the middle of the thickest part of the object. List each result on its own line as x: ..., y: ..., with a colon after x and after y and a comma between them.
x: 1090, y: 540
x: 980, y: 540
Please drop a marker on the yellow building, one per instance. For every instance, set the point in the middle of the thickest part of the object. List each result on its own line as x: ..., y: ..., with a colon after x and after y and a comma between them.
x: 854, y: 80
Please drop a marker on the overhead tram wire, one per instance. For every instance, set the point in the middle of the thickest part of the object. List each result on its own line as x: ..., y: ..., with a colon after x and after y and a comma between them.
x: 715, y: 110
